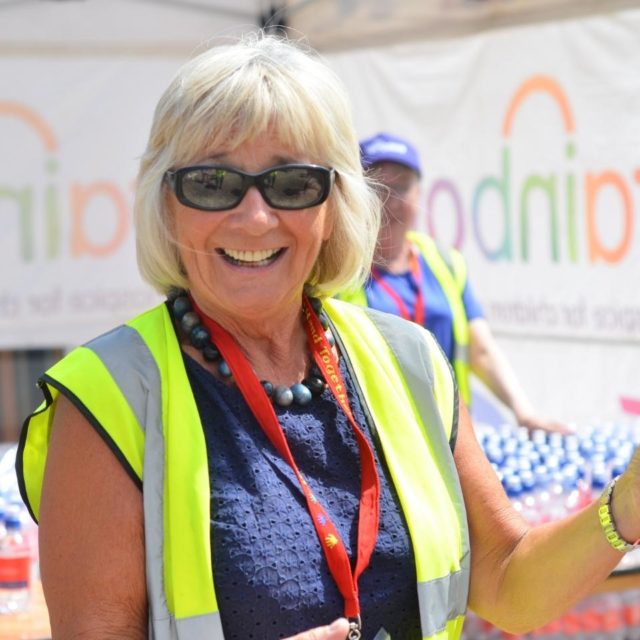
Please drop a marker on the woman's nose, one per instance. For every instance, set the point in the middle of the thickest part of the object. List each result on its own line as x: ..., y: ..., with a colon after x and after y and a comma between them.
x: 254, y: 214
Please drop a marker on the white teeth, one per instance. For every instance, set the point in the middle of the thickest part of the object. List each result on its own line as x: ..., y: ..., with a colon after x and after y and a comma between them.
x: 250, y: 256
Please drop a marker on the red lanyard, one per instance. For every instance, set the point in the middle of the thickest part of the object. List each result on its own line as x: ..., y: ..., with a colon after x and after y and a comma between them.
x: 415, y: 274
x: 259, y: 403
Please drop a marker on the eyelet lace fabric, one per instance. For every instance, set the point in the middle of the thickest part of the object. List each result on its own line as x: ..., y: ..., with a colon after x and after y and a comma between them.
x: 270, y: 574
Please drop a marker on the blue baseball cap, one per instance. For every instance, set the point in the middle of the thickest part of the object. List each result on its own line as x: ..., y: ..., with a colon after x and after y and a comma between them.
x: 384, y: 147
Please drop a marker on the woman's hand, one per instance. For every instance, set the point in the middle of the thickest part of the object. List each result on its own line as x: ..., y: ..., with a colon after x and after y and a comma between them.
x: 336, y: 631
x: 533, y: 421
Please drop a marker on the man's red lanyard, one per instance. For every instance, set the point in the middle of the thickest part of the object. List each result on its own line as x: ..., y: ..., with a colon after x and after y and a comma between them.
x: 415, y: 274
x: 259, y: 403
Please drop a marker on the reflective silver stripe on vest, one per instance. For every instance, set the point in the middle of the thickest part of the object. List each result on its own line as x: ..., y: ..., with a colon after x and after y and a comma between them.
x: 194, y: 628
x: 461, y: 352
x: 433, y: 596
x: 415, y: 362
x: 207, y: 626
x: 135, y: 371
x: 132, y: 366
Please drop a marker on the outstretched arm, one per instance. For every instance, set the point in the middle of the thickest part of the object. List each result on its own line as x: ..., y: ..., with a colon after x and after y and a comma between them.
x: 91, y: 536
x: 490, y: 364
x: 523, y: 577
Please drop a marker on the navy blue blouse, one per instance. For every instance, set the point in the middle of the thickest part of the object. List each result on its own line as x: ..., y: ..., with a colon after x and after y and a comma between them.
x: 271, y: 577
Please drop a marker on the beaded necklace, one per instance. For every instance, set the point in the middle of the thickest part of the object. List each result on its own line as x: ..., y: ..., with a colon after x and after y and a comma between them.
x: 301, y: 393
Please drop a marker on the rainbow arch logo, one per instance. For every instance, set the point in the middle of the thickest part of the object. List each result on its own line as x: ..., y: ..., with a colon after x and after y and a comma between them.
x: 503, y: 233
x: 41, y: 208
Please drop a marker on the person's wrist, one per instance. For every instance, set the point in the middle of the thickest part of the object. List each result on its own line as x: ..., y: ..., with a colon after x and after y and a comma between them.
x: 522, y: 411
x: 615, y: 521
x: 625, y: 508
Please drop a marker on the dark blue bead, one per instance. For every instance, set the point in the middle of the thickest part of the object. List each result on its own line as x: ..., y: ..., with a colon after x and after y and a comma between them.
x: 180, y: 306
x: 199, y: 337
x: 189, y: 321
x: 324, y: 321
x: 316, y: 304
x: 282, y: 396
x: 301, y: 393
x: 314, y: 371
x: 267, y: 386
x: 210, y: 352
x: 174, y: 293
x: 315, y: 384
x: 223, y: 369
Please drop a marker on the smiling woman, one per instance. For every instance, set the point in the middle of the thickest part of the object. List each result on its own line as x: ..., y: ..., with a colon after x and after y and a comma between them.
x: 262, y: 291
x: 254, y: 458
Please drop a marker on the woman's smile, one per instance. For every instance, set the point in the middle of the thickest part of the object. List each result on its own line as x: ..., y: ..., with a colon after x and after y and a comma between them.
x: 251, y: 259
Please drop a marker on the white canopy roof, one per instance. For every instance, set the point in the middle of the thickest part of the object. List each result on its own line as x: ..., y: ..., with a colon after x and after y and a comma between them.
x: 179, y: 26
x: 145, y: 26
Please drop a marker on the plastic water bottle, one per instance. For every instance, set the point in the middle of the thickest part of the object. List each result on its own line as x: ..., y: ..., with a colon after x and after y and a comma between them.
x: 631, y: 613
x: 543, y: 493
x: 3, y: 509
x: 572, y: 494
x: 530, y: 510
x: 513, y: 487
x: 556, y: 489
x: 494, y: 453
x: 611, y: 616
x: 600, y: 476
x: 15, y: 567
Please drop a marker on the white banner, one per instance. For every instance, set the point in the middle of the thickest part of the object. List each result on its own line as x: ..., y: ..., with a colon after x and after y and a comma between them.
x: 71, y: 133
x: 530, y: 139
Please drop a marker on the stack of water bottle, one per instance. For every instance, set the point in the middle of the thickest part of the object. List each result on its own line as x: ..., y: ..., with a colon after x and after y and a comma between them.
x: 18, y: 541
x: 548, y: 476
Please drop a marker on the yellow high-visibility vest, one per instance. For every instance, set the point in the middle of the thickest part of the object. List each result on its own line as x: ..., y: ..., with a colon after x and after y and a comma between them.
x: 134, y: 389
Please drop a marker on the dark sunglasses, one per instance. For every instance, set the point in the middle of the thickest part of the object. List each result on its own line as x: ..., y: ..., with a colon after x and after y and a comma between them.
x: 289, y: 186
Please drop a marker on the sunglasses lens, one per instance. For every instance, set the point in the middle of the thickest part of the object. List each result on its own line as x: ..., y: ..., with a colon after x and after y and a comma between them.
x: 219, y: 188
x: 212, y: 188
x: 295, y: 187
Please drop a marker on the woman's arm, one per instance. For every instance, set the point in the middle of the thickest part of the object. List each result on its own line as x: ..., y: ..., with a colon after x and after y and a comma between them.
x: 91, y: 536
x: 523, y: 577
x: 490, y: 364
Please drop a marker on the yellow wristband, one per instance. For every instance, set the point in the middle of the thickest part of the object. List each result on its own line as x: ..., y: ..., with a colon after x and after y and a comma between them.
x: 607, y: 523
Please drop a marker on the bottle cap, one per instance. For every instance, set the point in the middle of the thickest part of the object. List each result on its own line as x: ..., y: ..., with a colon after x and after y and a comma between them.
x: 510, y: 446
x: 494, y: 454
x: 539, y: 436
x: 600, y: 477
x: 556, y: 439
x: 513, y: 486
x: 528, y: 480
x: 618, y: 466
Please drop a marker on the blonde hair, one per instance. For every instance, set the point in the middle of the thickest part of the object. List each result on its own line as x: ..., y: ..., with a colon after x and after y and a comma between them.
x: 236, y: 92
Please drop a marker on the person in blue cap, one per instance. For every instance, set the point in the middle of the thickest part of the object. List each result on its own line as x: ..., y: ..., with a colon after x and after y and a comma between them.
x: 412, y: 276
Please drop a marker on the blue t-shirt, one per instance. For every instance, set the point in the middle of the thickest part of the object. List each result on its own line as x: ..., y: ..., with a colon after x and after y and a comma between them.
x: 438, y: 317
x: 271, y: 576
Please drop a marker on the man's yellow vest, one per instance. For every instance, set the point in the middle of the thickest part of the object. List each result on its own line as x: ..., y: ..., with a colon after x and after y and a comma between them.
x: 450, y: 270
x: 134, y: 389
